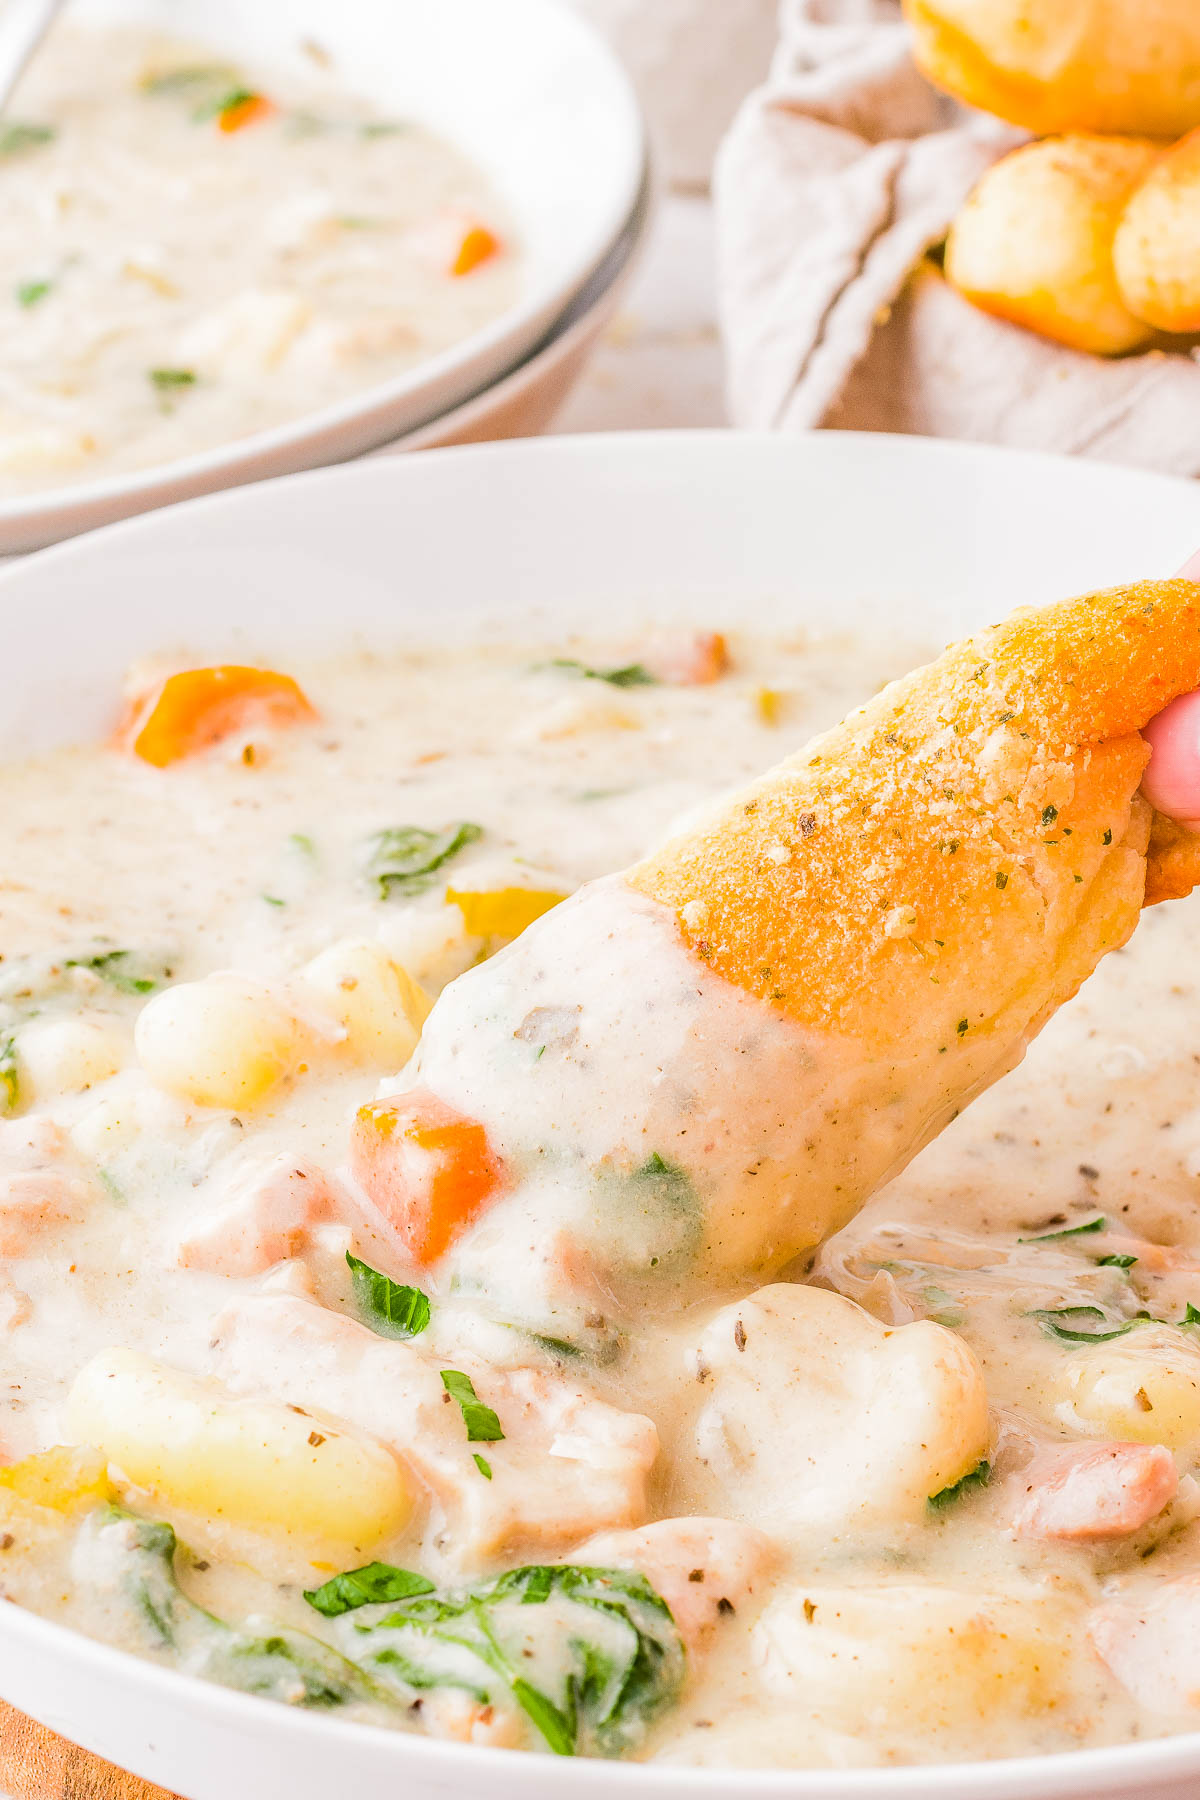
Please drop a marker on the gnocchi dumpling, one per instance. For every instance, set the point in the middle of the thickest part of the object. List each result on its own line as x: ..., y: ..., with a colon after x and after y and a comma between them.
x: 224, y: 1041
x: 67, y: 1056
x: 65, y: 1478
x: 258, y: 1464
x: 917, y: 1659
x: 815, y: 1414
x: 372, y: 997
x: 41, y: 1499
x: 1143, y: 1387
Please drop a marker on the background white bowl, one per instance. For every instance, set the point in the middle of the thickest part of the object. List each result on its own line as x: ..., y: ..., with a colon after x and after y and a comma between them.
x: 528, y: 90
x: 523, y: 402
x: 823, y: 532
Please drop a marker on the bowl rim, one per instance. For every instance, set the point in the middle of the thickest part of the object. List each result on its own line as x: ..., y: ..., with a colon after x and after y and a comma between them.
x: 580, y: 444
x: 367, y: 408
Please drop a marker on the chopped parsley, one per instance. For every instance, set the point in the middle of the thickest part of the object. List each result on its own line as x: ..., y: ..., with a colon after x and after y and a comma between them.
x: 16, y: 138
x: 387, y: 1306
x: 657, y: 1168
x: 663, y: 1213
x: 628, y: 675
x: 404, y: 859
x: 123, y: 970
x: 28, y: 293
x: 483, y: 1465
x: 1115, y: 1262
x: 1048, y: 1237
x: 169, y: 381
x: 10, y: 1086
x: 111, y: 1187
x: 1049, y: 814
x: 975, y: 1478
x: 483, y: 1427
x: 374, y: 1583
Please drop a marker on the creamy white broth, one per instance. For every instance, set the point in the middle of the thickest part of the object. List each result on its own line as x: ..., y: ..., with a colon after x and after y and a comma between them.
x: 864, y: 1626
x: 167, y: 284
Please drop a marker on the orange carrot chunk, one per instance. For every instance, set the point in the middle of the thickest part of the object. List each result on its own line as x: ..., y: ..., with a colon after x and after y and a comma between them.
x: 476, y: 246
x: 246, y: 109
x: 427, y: 1169
x: 196, y: 708
x: 686, y: 658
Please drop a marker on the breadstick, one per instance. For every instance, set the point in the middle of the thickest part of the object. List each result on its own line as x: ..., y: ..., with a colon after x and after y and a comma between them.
x: 1034, y: 242
x: 1156, y: 251
x: 1067, y: 65
x: 948, y: 827
x: 691, y: 1073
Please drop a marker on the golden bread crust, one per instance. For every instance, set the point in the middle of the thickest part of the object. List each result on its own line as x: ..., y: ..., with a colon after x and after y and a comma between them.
x: 1172, y: 861
x: 1067, y: 65
x: 1034, y: 242
x: 1156, y: 251
x: 953, y: 859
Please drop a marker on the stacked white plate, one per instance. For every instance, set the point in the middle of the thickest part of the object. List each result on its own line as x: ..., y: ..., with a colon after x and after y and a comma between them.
x: 533, y: 95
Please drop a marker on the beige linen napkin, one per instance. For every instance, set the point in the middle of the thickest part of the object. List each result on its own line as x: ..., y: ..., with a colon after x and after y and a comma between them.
x: 836, y: 178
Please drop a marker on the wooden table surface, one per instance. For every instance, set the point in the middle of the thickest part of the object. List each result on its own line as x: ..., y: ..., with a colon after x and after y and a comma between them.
x: 35, y: 1764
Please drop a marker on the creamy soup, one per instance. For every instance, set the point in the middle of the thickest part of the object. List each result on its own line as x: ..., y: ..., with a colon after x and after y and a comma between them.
x: 192, y: 249
x: 544, y: 1471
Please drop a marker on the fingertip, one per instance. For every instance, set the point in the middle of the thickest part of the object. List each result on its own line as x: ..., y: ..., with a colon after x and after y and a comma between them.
x: 1172, y: 779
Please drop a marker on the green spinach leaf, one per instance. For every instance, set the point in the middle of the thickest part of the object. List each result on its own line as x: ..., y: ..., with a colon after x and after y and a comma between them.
x: 132, y: 1560
x: 15, y: 137
x: 1048, y: 1237
x: 590, y: 1655
x: 404, y: 859
x: 1072, y: 1324
x: 371, y: 1585
x: 627, y: 675
x: 972, y: 1481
